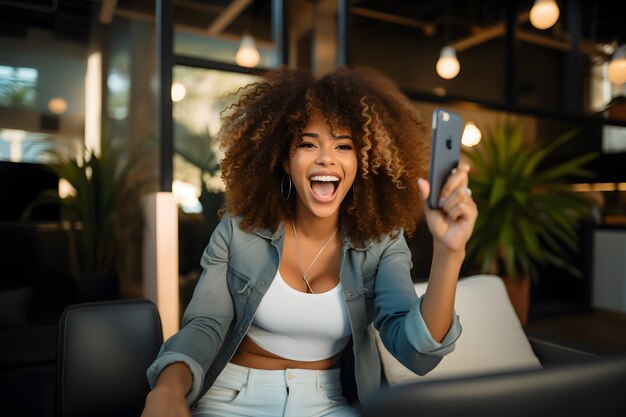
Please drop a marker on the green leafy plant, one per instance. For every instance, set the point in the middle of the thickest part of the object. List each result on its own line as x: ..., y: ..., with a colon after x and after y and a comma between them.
x: 199, y: 150
x: 528, y: 216
x: 105, y: 202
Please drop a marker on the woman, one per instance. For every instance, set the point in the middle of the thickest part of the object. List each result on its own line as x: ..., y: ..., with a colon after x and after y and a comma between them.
x: 323, y: 179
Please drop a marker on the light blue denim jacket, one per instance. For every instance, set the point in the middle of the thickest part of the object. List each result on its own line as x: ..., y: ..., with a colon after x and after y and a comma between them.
x: 238, y: 268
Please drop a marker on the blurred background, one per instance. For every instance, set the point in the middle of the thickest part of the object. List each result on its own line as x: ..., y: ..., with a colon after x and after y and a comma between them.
x: 105, y: 104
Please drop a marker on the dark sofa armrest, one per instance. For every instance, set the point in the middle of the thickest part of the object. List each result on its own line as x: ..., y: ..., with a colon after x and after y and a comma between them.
x: 552, y: 354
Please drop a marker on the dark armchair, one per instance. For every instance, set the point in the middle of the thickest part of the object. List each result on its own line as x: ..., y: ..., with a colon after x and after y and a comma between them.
x: 103, y: 352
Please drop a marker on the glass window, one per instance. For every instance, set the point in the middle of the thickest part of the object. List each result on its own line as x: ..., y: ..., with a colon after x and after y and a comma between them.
x: 18, y: 86
x: 23, y: 146
x: 199, y: 97
x: 42, y: 95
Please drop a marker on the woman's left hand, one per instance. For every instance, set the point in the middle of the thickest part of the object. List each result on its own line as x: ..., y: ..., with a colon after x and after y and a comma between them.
x: 452, y: 224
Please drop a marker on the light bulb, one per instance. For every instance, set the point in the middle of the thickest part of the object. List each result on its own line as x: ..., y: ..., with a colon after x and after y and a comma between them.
x: 247, y: 55
x: 617, y: 66
x: 178, y: 91
x: 471, y: 135
x: 544, y: 14
x: 448, y: 66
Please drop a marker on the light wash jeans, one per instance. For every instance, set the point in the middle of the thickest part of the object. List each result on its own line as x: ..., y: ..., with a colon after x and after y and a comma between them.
x: 242, y: 391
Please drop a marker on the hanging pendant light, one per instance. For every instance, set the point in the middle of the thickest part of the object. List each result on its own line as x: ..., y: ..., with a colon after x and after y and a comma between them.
x: 544, y: 14
x: 448, y: 65
x: 247, y: 55
x: 617, y: 66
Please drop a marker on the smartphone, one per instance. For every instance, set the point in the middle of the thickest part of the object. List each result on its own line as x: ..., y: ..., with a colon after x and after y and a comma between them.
x: 445, y: 151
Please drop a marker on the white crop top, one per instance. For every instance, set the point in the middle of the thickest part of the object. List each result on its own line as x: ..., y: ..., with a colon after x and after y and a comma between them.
x: 300, y: 326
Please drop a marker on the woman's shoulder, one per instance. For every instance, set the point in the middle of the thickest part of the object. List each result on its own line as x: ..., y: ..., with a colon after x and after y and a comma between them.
x: 230, y: 226
x: 377, y: 246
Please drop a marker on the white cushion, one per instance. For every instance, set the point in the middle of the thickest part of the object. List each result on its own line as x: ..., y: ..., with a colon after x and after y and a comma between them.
x: 492, y: 340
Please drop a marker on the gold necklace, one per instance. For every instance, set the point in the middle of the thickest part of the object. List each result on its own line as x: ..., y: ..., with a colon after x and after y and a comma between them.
x: 305, y: 272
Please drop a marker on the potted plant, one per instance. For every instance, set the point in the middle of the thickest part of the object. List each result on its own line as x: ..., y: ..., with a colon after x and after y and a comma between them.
x: 528, y: 215
x: 99, y: 214
x: 199, y: 151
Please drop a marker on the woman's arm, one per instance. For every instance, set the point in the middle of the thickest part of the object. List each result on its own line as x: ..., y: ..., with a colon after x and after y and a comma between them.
x: 167, y: 398
x: 205, y: 322
x: 451, y: 227
x: 398, y: 316
x: 438, y: 304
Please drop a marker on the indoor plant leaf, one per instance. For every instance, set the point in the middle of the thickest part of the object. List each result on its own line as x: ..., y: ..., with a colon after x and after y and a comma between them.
x: 527, y: 216
x: 104, y: 190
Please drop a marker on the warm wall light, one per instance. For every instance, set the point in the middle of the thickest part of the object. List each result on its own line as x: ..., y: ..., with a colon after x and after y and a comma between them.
x: 617, y: 66
x: 93, y: 102
x: 448, y: 66
x: 57, y: 105
x: 544, y: 14
x: 247, y: 55
x: 178, y: 91
x: 471, y: 135
x: 603, y: 186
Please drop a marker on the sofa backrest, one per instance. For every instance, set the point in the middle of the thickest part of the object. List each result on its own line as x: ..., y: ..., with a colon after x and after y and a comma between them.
x: 492, y: 339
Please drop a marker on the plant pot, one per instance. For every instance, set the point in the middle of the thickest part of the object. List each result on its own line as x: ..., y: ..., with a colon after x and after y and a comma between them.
x: 519, y: 294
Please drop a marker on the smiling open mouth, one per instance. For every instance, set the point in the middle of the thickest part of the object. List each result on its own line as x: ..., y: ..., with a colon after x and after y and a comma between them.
x: 324, y: 185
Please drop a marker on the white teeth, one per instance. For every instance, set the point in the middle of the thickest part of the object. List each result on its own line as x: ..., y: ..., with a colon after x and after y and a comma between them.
x: 325, y: 178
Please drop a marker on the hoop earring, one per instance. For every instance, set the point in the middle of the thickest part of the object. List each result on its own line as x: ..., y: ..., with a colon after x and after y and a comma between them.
x: 282, y: 191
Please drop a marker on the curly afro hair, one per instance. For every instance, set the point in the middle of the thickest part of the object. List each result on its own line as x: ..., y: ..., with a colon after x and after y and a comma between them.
x: 389, y: 135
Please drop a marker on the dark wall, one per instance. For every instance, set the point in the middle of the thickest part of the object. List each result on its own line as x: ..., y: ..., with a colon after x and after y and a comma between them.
x: 21, y: 184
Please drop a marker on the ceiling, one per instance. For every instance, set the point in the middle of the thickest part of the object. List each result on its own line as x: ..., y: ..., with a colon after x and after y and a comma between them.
x: 66, y: 19
x: 602, y: 21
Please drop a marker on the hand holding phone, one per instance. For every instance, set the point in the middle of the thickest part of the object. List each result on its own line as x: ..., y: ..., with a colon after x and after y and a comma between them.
x: 445, y: 151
